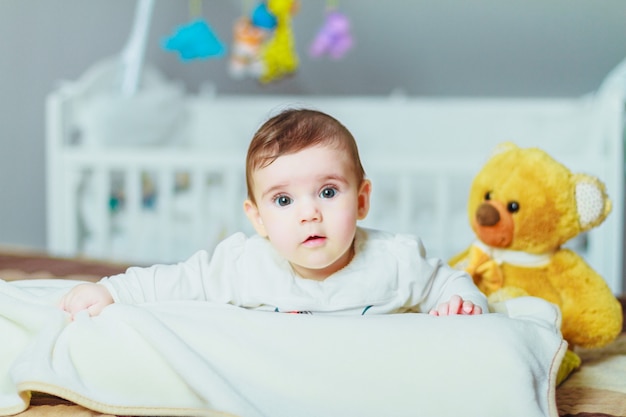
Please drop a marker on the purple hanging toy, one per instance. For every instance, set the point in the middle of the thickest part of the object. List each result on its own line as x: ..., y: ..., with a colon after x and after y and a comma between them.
x: 334, y: 37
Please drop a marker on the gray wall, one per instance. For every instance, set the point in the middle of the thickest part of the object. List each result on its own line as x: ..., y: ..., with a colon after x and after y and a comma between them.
x: 435, y: 48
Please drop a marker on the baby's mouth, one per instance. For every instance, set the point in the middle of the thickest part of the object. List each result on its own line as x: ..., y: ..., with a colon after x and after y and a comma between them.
x: 313, y: 238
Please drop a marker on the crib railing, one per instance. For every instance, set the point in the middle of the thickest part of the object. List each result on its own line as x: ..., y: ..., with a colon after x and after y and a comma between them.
x: 107, y: 193
x: 110, y: 193
x: 157, y: 205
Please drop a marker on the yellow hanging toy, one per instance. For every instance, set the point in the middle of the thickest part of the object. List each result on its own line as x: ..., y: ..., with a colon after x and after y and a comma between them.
x: 279, y: 54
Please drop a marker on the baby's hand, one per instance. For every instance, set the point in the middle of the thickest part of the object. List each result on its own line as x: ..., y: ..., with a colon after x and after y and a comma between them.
x: 455, y: 306
x: 89, y: 296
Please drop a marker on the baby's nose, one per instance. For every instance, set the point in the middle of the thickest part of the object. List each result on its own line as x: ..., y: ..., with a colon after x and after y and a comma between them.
x: 310, y: 212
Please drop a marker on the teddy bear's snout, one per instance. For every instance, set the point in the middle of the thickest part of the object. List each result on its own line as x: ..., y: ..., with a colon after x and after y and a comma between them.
x: 487, y: 215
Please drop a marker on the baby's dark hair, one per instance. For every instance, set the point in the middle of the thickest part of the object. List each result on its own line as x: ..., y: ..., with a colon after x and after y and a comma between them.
x: 293, y: 130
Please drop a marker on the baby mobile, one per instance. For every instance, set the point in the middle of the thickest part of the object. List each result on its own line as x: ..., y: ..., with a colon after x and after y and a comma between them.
x: 263, y: 44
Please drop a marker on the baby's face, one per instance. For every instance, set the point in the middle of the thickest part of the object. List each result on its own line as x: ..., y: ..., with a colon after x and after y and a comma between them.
x: 307, y: 205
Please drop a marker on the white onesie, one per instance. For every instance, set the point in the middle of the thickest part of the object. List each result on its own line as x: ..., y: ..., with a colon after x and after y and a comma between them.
x: 388, y: 274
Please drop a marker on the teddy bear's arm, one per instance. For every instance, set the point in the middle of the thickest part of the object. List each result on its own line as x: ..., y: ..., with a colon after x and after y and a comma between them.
x: 592, y: 315
x: 460, y: 260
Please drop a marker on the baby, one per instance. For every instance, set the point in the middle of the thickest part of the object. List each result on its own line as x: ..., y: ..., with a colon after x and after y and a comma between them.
x: 306, y: 192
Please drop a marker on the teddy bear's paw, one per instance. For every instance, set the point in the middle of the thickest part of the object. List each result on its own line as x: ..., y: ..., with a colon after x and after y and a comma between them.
x: 571, y: 361
x: 506, y: 293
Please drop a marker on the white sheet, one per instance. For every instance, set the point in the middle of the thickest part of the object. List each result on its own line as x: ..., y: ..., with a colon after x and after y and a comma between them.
x: 196, y: 358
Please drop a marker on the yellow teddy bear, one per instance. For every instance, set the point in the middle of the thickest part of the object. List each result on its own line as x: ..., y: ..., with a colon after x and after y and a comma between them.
x: 523, y: 206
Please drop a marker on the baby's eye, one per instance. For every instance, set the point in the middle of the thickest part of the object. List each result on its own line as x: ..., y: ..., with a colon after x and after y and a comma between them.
x: 283, y: 200
x: 328, y: 192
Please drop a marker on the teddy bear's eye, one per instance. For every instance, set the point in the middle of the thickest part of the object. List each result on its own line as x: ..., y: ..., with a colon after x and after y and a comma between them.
x: 488, y: 196
x: 513, y: 207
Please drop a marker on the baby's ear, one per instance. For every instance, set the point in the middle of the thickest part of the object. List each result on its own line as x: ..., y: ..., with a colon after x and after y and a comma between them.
x: 252, y: 212
x: 364, y: 199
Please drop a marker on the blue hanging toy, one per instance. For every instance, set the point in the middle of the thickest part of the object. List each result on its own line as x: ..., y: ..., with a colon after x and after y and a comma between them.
x: 263, y: 18
x: 195, y: 40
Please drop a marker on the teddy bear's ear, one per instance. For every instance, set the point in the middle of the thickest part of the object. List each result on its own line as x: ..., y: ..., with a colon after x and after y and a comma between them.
x: 504, y: 147
x: 592, y: 202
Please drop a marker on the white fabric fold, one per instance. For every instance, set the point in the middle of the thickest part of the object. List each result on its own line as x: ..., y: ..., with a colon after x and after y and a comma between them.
x: 197, y: 358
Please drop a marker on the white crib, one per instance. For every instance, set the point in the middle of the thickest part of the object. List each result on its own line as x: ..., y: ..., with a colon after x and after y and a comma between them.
x: 155, y: 177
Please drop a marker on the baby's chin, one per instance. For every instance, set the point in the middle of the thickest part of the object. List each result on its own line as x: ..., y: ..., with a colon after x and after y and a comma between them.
x: 321, y: 270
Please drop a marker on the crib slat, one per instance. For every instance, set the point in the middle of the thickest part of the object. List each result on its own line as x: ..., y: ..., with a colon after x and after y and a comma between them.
x: 198, y: 214
x: 70, y: 235
x: 231, y: 187
x: 132, y: 209
x: 164, y: 188
x: 442, y: 214
x: 405, y: 203
x: 102, y: 223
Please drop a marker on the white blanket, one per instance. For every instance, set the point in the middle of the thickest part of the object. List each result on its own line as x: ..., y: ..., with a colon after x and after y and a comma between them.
x: 197, y: 358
